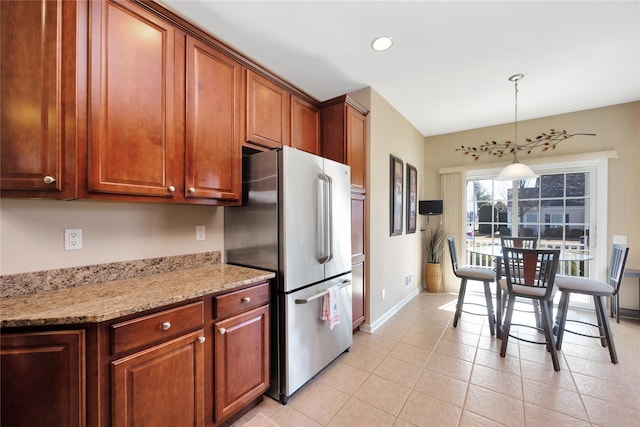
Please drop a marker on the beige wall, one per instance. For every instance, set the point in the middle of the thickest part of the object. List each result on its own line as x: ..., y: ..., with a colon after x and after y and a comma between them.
x: 32, y: 232
x: 391, y: 258
x: 617, y: 128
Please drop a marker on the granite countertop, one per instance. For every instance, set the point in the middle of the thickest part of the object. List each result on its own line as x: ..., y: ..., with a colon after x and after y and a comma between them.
x: 109, y: 300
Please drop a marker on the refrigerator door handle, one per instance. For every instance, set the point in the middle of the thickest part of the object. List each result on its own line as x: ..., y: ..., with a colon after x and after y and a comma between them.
x: 325, y: 219
x: 321, y: 294
x: 330, y: 220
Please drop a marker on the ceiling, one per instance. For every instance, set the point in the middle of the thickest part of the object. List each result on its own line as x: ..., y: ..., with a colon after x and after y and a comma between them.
x: 449, y: 66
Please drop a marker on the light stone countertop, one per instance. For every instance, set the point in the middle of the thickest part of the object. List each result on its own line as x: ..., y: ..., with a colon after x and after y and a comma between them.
x: 109, y: 300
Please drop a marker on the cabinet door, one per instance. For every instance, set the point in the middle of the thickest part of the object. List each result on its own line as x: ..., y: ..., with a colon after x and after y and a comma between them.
x: 305, y: 126
x: 132, y: 135
x: 267, y: 112
x: 241, y: 360
x: 161, y: 386
x: 38, y: 45
x: 42, y: 379
x: 356, y: 148
x: 358, y: 258
x: 213, y: 131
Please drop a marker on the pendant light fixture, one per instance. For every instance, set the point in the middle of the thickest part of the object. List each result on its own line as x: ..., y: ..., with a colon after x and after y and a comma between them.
x: 516, y: 170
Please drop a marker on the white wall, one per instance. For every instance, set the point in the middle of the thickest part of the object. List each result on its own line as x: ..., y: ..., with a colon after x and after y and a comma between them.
x: 32, y: 232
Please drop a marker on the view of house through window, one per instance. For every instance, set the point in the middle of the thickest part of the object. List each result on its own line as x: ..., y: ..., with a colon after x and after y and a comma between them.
x: 556, y: 208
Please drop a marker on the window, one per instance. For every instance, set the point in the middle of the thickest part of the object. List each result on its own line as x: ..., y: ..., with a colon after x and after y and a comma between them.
x: 559, y: 208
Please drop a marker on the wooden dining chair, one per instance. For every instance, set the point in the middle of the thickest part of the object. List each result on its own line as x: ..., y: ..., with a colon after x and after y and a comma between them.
x: 598, y: 290
x: 530, y: 273
x: 484, y: 275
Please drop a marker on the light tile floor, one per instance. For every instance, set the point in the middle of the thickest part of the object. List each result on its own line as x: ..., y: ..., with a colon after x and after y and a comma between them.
x: 417, y: 370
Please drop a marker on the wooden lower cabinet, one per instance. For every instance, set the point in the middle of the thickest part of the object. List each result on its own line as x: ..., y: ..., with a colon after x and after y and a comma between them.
x: 161, y: 386
x: 42, y: 378
x: 241, y: 360
x: 200, y: 363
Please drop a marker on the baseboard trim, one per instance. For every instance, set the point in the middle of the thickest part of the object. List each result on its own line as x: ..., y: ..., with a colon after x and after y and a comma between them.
x: 371, y: 327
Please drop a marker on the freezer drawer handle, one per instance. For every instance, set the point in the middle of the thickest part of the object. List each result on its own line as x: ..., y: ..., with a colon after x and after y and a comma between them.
x: 321, y: 294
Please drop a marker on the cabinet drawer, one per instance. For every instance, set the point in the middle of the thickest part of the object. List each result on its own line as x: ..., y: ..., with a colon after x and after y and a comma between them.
x: 240, y: 301
x: 157, y: 327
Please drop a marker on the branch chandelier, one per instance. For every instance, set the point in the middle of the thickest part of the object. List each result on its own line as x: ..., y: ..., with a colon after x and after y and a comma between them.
x: 517, y: 170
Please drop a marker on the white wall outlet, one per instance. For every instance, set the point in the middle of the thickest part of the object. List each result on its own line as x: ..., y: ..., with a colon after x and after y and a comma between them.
x: 72, y: 239
x: 407, y: 280
x: 384, y: 294
x: 200, y: 232
x: 619, y: 239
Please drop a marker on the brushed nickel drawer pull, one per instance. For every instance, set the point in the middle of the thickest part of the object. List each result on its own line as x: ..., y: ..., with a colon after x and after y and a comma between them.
x: 166, y: 326
x: 222, y: 331
x: 201, y: 340
x: 246, y: 299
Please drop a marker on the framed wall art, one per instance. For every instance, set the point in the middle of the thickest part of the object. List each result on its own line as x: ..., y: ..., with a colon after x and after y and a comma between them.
x: 395, y: 205
x: 412, y: 198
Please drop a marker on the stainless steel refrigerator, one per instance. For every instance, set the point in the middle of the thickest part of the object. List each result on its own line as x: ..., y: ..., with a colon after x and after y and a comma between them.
x: 296, y: 221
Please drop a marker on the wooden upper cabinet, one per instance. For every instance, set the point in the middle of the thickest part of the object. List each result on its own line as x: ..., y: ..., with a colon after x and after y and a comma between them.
x: 213, y: 150
x: 356, y: 148
x: 42, y: 378
x: 38, y: 98
x: 268, y: 112
x: 305, y: 125
x: 344, y: 137
x: 132, y: 131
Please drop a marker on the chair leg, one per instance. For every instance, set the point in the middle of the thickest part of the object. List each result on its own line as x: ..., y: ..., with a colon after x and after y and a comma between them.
x: 498, y: 311
x: 461, y: 292
x: 506, y: 325
x: 561, y: 318
x: 489, y: 302
x: 617, y: 300
x: 536, y: 313
x: 548, y: 332
x: 600, y: 321
x: 600, y: 306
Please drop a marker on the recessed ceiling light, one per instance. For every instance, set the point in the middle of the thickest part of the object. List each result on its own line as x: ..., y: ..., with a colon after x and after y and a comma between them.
x: 382, y: 43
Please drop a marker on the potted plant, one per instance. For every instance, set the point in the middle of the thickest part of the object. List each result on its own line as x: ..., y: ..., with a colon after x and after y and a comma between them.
x: 433, y: 253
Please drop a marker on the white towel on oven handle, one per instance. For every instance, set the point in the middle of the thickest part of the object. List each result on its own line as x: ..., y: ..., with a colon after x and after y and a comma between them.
x: 331, y: 306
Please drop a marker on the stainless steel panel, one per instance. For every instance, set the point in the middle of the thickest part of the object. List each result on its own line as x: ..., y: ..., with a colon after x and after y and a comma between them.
x: 310, y: 345
x: 340, y: 218
x: 251, y: 231
x: 301, y: 224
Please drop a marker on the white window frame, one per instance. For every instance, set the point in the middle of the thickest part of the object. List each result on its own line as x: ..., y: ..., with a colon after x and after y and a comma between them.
x: 598, y: 168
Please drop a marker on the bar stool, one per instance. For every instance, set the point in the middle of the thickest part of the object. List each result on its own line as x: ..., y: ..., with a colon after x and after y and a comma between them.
x: 484, y: 275
x: 530, y: 273
x: 598, y: 290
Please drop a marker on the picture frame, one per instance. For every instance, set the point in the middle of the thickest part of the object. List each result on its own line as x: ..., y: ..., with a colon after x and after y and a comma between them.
x: 412, y: 198
x: 396, y: 195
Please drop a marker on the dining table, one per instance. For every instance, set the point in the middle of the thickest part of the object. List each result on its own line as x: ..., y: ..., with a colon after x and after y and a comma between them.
x: 495, y: 253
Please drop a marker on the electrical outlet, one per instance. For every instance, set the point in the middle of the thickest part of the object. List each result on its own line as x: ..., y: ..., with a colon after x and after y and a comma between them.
x: 72, y: 239
x: 407, y: 280
x: 384, y: 294
x: 200, y: 232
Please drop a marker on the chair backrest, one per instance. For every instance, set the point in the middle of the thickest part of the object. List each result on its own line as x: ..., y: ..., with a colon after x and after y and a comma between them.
x: 519, y: 242
x: 533, y: 268
x: 453, y: 253
x: 616, y: 265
